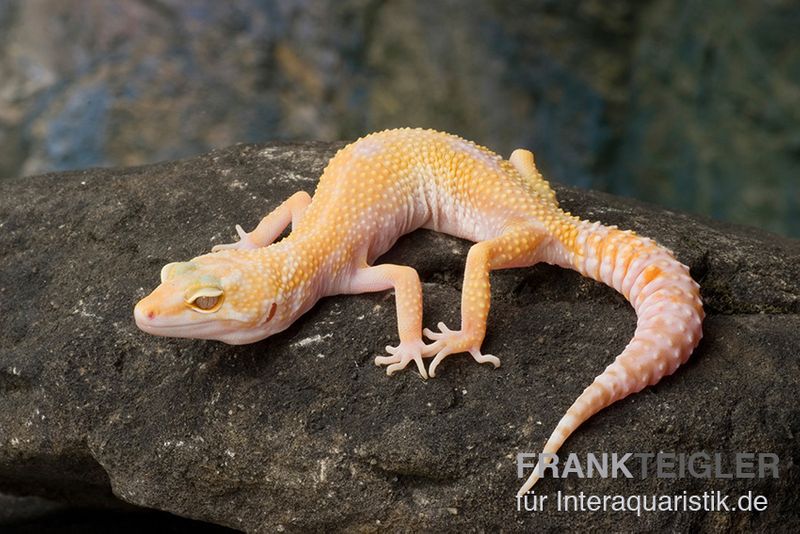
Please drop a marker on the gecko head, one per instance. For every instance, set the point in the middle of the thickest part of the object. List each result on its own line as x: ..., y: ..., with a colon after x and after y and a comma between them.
x: 224, y: 296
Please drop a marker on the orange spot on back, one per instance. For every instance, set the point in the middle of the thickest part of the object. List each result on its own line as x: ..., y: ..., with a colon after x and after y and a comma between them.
x: 651, y: 273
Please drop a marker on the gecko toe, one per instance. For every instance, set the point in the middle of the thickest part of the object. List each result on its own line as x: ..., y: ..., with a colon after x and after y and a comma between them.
x: 391, y: 369
x: 435, y: 336
x: 421, y: 367
x: 226, y: 246
x: 402, y: 355
x: 444, y: 353
x: 485, y: 358
x: 447, y: 342
x: 245, y: 242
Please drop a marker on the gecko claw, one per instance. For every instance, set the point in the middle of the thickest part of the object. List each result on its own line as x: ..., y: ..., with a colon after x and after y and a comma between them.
x: 402, y: 355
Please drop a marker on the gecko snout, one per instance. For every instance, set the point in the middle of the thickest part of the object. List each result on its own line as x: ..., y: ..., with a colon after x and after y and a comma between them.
x: 144, y: 314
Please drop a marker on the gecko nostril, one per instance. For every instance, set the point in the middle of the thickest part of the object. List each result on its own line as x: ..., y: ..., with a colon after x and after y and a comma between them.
x: 142, y: 313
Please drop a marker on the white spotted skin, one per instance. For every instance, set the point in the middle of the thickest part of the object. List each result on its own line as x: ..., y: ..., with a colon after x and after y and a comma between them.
x: 392, y: 182
x: 410, y: 178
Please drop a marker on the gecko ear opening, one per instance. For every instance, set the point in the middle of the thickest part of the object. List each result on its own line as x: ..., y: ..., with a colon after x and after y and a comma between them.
x: 271, y: 313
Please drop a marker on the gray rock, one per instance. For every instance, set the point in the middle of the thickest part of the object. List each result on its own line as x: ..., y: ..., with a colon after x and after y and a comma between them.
x: 302, y: 431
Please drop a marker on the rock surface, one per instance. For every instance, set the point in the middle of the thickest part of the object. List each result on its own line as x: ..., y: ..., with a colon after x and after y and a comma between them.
x: 302, y: 431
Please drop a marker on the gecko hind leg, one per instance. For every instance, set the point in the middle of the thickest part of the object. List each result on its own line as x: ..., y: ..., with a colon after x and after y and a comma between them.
x: 515, y: 247
x: 270, y: 226
x: 408, y: 294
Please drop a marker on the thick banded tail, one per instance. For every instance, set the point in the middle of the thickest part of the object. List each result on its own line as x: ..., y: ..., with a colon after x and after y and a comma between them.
x: 667, y: 304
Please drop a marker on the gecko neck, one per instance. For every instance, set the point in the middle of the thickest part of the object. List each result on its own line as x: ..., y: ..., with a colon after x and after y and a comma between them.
x: 309, y: 271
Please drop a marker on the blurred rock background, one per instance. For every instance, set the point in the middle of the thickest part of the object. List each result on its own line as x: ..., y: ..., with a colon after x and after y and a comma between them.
x: 692, y: 104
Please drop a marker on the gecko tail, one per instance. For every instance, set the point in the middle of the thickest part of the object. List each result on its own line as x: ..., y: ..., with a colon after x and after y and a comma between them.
x: 669, y: 317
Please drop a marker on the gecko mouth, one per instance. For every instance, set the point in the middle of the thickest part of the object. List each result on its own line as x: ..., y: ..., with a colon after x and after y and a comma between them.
x: 190, y: 330
x: 228, y: 331
x: 149, y: 322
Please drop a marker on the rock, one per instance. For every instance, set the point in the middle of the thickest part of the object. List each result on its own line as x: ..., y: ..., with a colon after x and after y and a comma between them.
x: 25, y: 509
x: 19, y: 515
x: 302, y: 431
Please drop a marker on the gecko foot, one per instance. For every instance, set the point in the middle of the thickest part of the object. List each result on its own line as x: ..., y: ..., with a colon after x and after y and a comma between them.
x: 244, y: 243
x: 402, y: 354
x: 447, y: 342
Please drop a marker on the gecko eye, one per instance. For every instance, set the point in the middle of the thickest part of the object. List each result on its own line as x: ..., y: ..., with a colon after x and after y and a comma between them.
x: 206, y: 300
x: 205, y: 303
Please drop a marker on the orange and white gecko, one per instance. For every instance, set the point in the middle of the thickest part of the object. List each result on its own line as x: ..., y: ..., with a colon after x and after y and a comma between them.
x: 390, y: 183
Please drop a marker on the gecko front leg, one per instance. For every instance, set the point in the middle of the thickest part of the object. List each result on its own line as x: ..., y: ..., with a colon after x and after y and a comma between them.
x: 270, y: 226
x: 408, y: 296
x: 516, y: 247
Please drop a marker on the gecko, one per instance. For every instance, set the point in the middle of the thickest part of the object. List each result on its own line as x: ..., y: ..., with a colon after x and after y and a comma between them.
x: 390, y: 183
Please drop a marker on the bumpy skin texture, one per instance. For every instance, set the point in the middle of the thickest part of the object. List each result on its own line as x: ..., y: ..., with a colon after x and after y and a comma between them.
x: 390, y: 183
